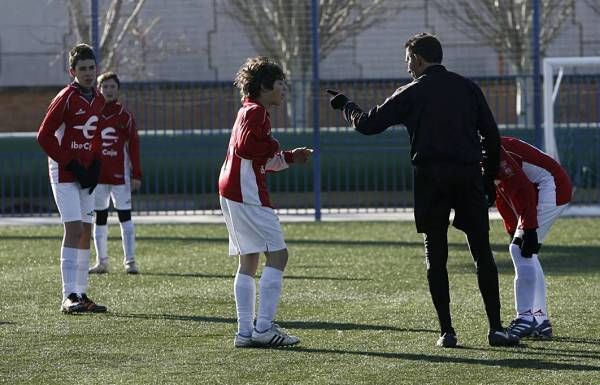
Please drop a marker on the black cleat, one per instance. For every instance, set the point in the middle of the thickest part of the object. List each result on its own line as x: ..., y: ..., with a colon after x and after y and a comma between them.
x: 91, y: 306
x: 447, y: 340
x: 502, y: 338
x: 72, y: 304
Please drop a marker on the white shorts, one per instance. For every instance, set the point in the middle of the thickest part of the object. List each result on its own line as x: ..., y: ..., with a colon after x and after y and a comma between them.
x: 120, y: 194
x: 547, y: 213
x: 74, y: 203
x: 252, y: 229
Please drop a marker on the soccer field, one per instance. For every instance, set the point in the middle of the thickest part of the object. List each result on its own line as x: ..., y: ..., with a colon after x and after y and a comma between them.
x: 355, y: 293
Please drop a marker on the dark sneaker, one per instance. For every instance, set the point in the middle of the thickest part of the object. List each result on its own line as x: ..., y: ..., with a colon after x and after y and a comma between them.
x: 447, y: 340
x: 522, y: 328
x: 91, y: 306
x: 502, y: 338
x: 72, y: 304
x: 543, y: 331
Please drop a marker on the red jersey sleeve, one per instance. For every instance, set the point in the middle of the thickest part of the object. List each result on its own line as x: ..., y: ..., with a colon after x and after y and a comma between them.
x: 509, y: 217
x: 53, y: 120
x: 134, y: 149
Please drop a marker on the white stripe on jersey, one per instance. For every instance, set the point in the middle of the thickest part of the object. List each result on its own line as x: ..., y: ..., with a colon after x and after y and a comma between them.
x: 248, y: 183
x: 52, y: 165
x: 545, y: 183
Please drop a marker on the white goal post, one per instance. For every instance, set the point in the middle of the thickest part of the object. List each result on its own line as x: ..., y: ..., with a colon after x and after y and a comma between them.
x: 551, y: 91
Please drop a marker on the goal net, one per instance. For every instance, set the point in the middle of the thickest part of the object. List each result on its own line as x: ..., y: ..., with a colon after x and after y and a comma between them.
x: 572, y: 121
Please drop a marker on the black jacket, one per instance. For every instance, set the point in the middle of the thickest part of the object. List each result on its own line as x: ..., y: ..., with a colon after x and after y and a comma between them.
x: 447, y: 118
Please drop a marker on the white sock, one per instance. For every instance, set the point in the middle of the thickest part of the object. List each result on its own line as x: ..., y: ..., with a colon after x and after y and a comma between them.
x: 101, y: 243
x: 525, y: 281
x: 540, y: 310
x: 270, y: 285
x: 244, y: 290
x: 68, y: 270
x: 128, y: 237
x: 83, y: 265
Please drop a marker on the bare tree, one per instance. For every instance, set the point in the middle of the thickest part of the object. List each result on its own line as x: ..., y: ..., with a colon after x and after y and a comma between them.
x: 594, y: 5
x: 119, y: 29
x: 507, y: 26
x: 282, y: 29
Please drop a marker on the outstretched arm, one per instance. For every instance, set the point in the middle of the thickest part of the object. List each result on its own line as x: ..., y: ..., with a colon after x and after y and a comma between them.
x: 377, y: 120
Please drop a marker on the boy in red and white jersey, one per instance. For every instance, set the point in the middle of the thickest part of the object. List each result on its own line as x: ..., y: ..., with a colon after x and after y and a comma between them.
x: 532, y: 191
x: 121, y: 174
x: 69, y: 136
x: 251, y: 221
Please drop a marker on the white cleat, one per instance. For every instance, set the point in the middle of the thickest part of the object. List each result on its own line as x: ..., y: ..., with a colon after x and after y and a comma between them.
x: 131, y: 268
x: 274, y: 337
x: 99, y: 268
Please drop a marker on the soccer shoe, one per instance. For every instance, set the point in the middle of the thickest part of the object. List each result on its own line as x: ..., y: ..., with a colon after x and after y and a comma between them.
x: 72, y: 304
x: 91, y: 306
x: 447, y: 340
x: 274, y: 337
x: 521, y: 327
x: 99, y: 268
x: 242, y: 342
x: 543, y: 330
x: 502, y: 338
x: 131, y: 268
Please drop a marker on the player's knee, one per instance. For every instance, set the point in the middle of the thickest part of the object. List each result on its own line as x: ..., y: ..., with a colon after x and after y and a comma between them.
x: 124, y: 215
x: 101, y: 217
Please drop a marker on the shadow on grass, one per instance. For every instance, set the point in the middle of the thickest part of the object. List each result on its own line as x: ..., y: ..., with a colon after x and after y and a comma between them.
x: 6, y: 323
x: 231, y: 276
x: 516, y: 363
x: 320, y: 325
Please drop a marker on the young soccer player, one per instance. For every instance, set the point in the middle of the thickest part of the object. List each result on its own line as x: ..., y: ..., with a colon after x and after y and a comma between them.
x: 121, y: 174
x: 532, y: 191
x: 69, y: 137
x: 251, y: 221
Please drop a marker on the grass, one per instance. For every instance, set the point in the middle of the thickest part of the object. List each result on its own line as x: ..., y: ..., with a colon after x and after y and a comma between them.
x: 354, y: 292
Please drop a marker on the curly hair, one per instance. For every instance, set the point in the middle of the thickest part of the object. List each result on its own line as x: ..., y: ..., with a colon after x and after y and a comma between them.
x: 255, y: 73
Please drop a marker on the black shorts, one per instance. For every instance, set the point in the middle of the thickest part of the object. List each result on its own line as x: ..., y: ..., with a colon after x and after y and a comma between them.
x: 438, y: 188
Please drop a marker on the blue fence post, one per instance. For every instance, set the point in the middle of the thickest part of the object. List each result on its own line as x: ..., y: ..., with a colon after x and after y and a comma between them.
x: 537, y: 106
x: 94, y: 30
x: 316, y: 157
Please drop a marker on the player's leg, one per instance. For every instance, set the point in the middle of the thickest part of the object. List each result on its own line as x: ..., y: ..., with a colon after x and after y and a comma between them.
x: 242, y: 242
x: 121, y: 196
x: 101, y: 204
x: 524, y: 288
x: 83, y: 256
x: 66, y: 196
x: 244, y: 288
x: 436, y: 258
x: 547, y: 215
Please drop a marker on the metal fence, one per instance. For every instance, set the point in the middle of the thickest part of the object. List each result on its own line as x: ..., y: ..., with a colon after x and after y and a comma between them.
x: 181, y: 94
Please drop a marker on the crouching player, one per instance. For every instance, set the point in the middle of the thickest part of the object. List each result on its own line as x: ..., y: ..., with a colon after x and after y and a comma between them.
x: 121, y: 174
x: 251, y: 221
x: 532, y: 191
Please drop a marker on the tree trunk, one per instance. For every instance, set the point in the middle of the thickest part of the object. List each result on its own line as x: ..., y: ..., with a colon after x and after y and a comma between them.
x: 525, y: 101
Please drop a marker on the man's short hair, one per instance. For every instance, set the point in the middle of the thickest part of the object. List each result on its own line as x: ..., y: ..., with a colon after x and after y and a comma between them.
x: 107, y: 76
x: 80, y: 52
x: 425, y: 45
x: 256, y: 72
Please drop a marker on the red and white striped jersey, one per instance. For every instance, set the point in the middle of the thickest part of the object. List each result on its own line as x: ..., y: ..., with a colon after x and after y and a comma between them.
x: 120, y: 145
x: 528, y: 177
x: 68, y: 131
x: 252, y: 152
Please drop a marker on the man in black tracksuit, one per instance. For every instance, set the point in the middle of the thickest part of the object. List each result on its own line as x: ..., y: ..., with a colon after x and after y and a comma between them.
x: 449, y: 124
